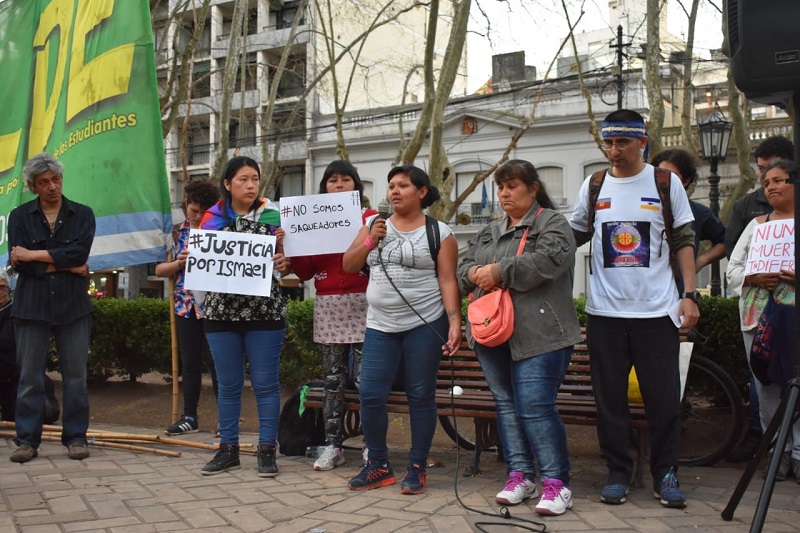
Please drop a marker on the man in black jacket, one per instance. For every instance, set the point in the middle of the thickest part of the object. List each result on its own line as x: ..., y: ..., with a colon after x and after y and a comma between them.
x: 49, y: 239
x: 745, y: 209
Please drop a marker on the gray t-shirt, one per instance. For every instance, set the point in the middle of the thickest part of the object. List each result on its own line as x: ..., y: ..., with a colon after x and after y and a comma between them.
x: 408, y: 262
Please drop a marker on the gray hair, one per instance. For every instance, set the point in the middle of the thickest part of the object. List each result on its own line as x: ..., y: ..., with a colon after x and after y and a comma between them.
x: 39, y: 164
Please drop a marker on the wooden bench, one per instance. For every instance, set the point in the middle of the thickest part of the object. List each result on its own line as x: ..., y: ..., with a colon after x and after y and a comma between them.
x: 575, y: 402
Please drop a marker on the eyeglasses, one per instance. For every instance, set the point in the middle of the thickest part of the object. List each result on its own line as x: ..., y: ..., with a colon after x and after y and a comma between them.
x: 621, y: 144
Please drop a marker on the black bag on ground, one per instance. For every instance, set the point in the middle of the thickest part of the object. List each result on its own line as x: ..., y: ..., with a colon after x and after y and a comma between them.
x: 298, y: 430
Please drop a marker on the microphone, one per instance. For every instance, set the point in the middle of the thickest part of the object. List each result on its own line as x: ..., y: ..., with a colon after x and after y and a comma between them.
x: 383, y: 212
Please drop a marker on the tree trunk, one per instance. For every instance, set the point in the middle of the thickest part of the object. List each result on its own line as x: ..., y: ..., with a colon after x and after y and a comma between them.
x: 653, y: 76
x: 687, y: 101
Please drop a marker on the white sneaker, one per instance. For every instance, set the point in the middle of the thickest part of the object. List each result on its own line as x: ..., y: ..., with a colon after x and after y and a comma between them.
x: 556, y: 498
x: 329, y: 458
x: 517, y: 489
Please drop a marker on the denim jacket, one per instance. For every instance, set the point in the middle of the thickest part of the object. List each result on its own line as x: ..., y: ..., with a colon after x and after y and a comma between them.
x: 539, y: 280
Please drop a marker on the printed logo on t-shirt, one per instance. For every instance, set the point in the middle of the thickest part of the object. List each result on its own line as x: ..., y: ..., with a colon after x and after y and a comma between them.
x: 626, y: 244
x: 653, y: 204
x: 602, y: 203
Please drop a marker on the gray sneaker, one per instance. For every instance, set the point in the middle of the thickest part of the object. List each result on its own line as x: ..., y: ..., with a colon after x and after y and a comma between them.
x: 24, y: 453
x: 329, y: 459
x: 78, y: 451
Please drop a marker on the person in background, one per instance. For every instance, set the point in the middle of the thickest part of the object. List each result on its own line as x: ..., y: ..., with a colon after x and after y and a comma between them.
x: 50, y: 238
x: 706, y: 226
x: 200, y: 194
x: 634, y: 308
x: 414, y: 316
x: 745, y: 209
x: 9, y: 372
x: 781, y: 177
x: 237, y: 324
x: 340, y: 312
x: 525, y: 373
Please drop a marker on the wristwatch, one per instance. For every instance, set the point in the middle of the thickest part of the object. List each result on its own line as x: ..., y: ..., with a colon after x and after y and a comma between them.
x: 694, y: 295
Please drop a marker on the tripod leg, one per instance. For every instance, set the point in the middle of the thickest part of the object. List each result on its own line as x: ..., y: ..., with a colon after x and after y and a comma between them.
x: 747, y: 475
x: 789, y: 404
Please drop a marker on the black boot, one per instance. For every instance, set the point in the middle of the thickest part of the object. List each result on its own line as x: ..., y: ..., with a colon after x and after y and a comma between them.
x: 227, y: 458
x: 266, y: 461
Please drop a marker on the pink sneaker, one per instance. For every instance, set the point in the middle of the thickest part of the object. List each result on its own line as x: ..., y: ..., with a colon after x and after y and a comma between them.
x: 517, y: 489
x: 556, y: 498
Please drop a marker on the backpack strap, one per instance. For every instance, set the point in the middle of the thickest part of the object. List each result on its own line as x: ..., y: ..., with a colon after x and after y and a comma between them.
x: 434, y: 241
x: 595, y: 184
x: 663, y: 178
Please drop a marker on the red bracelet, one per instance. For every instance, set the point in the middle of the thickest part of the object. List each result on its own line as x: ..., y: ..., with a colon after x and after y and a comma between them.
x: 368, y: 244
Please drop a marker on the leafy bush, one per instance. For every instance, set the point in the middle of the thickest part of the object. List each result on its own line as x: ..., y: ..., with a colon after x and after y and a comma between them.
x: 300, y: 358
x: 719, y: 319
x: 129, y: 337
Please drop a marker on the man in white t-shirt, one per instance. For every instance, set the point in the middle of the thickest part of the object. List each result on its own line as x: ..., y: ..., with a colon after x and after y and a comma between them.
x: 634, y: 309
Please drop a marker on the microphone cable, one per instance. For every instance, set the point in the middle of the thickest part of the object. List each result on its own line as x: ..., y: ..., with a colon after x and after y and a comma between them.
x: 504, y: 512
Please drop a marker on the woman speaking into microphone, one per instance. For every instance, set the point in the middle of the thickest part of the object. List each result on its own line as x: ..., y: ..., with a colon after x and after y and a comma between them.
x: 414, y: 316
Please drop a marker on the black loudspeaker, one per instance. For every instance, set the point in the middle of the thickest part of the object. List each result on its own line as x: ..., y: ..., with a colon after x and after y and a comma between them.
x: 765, y: 48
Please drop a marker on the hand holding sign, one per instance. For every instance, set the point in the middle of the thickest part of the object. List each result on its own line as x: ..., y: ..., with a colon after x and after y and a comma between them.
x: 224, y: 261
x: 320, y: 223
x: 771, y: 252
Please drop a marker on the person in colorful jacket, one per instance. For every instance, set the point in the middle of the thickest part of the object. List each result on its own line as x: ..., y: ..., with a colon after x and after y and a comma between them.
x: 200, y: 195
x: 340, y: 313
x: 239, y: 324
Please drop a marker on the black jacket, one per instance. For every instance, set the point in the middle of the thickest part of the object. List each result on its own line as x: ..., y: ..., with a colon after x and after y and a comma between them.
x: 745, y: 209
x: 57, y: 297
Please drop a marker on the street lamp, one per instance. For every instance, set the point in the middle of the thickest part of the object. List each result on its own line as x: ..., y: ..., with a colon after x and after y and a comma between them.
x: 715, y: 133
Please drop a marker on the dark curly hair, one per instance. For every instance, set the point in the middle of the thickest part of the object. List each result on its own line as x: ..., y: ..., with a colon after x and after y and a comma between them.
x: 683, y: 160
x: 202, y: 192
x: 420, y: 179
x: 776, y: 146
x: 527, y: 174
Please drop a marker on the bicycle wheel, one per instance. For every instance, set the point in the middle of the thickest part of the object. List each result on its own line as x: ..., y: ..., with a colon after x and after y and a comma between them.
x: 712, y: 414
x: 464, y: 437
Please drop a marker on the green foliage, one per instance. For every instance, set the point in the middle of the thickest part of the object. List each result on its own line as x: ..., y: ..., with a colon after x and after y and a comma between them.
x: 129, y: 337
x: 580, y: 308
x: 300, y: 358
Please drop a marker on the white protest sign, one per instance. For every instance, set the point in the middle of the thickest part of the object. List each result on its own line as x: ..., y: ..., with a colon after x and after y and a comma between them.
x: 771, y: 248
x: 226, y: 261
x: 320, y: 223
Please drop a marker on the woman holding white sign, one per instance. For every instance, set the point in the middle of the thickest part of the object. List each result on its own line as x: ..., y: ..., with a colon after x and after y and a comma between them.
x: 340, y: 312
x: 414, y: 317
x: 238, y: 324
x: 762, y: 289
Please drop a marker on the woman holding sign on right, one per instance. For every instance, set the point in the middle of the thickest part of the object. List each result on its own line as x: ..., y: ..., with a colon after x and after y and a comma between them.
x: 773, y: 296
x: 238, y: 324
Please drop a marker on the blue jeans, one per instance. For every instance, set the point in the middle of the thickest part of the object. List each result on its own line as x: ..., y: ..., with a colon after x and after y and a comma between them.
x: 527, y: 419
x: 263, y: 349
x: 33, y: 344
x: 420, y: 351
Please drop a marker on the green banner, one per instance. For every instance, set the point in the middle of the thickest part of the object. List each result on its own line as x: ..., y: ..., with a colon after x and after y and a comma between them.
x: 79, y: 82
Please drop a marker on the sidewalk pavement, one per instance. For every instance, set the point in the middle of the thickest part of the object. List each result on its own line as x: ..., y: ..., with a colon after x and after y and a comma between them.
x: 122, y: 491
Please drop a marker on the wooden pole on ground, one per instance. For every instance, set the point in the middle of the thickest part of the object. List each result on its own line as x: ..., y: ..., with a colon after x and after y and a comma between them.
x: 173, y: 331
